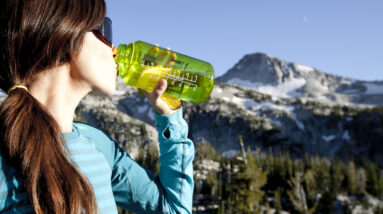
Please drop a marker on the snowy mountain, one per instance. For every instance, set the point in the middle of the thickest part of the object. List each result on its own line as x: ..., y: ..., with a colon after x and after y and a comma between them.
x: 281, y: 106
x: 270, y: 75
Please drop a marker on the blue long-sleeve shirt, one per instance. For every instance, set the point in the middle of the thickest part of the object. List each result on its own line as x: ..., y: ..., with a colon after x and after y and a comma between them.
x: 116, y: 179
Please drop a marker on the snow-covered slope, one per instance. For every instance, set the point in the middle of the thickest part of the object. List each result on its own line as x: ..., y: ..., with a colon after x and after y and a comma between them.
x: 270, y: 75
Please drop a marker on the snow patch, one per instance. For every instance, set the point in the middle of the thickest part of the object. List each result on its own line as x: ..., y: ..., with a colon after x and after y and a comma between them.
x: 218, y: 90
x: 245, y: 83
x: 238, y: 100
x: 276, y: 123
x: 226, y: 99
x: 247, y: 103
x: 347, y: 81
x: 119, y: 92
x: 328, y: 138
x: 304, y: 68
x: 299, y: 123
x: 346, y: 136
x: 287, y: 89
x: 321, y: 97
x: 289, y: 109
x: 272, y: 106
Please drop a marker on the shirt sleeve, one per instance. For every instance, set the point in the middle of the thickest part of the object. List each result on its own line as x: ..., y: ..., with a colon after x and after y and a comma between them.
x: 171, y: 191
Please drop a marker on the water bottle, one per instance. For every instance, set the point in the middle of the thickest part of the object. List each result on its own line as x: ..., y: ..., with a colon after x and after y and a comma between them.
x: 142, y: 65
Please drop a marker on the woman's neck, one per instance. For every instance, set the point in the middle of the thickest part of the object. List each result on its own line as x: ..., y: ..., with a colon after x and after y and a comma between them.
x: 59, y: 92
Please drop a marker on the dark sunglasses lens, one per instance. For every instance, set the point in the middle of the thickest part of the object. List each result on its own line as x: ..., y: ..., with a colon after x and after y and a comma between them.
x: 99, y: 36
x: 106, y: 30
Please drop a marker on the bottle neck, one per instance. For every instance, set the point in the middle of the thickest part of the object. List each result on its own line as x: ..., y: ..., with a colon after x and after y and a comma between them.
x: 124, y: 58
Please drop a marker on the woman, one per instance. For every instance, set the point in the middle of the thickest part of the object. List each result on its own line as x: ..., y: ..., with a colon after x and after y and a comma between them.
x: 53, y: 54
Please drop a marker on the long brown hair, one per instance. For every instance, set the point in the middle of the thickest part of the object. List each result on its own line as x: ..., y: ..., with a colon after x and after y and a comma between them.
x: 37, y: 35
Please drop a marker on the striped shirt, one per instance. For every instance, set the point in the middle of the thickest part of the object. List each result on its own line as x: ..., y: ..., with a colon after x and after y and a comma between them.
x: 116, y: 179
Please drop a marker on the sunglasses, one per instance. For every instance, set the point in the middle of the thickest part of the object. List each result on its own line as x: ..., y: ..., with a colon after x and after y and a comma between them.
x: 103, y: 32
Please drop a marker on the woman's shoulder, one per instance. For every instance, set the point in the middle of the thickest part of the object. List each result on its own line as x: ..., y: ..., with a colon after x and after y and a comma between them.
x: 85, y: 129
x: 97, y: 137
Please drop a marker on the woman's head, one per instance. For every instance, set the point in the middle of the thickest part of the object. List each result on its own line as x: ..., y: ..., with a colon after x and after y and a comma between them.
x: 36, y: 35
x: 39, y: 34
x: 94, y: 66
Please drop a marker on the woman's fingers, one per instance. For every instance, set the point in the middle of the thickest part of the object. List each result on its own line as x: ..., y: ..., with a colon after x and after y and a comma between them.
x: 159, y: 89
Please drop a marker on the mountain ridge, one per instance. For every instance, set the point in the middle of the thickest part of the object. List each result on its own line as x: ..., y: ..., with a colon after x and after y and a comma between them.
x: 270, y: 75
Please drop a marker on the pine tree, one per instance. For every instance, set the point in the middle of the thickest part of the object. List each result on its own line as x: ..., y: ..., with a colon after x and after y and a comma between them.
x: 337, y: 176
x: 351, y: 178
x: 310, y: 185
x: 361, y: 180
x: 374, y: 184
x: 278, y: 200
x: 297, y: 194
x: 246, y: 186
x: 210, y: 185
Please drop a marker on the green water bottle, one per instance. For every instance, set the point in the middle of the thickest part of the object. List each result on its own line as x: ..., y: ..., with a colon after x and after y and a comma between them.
x: 142, y: 65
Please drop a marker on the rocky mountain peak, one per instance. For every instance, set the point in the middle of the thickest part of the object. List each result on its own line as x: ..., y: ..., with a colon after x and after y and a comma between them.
x: 270, y: 75
x: 257, y: 68
x: 266, y: 69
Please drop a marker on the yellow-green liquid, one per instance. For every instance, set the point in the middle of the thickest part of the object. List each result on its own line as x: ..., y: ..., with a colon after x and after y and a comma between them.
x: 142, y: 65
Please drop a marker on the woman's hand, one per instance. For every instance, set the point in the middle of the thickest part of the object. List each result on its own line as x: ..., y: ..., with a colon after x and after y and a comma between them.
x: 158, y: 104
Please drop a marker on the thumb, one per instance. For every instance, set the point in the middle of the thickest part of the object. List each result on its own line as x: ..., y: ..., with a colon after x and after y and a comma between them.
x: 160, y: 88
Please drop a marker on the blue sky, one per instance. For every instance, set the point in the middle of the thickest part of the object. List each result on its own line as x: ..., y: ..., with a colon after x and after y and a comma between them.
x: 342, y: 37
